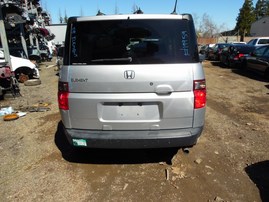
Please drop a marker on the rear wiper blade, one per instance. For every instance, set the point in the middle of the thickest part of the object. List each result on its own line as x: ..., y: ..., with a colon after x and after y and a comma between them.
x: 128, y: 59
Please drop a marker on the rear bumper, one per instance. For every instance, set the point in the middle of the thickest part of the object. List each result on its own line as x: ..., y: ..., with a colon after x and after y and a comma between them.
x: 133, y: 139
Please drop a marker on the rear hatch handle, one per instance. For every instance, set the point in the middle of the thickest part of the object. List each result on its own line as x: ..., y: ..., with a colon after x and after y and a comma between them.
x: 164, y: 89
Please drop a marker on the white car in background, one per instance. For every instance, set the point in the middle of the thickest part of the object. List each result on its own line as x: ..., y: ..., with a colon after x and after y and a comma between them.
x: 23, y: 68
x: 261, y: 41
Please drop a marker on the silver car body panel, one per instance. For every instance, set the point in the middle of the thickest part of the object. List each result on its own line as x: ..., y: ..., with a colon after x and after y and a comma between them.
x: 132, y: 106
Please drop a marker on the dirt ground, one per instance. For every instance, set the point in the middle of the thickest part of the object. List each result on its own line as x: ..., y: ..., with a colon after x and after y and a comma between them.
x: 229, y: 163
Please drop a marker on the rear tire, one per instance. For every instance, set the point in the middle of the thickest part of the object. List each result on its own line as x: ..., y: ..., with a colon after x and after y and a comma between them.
x: 22, y: 73
x: 23, y: 78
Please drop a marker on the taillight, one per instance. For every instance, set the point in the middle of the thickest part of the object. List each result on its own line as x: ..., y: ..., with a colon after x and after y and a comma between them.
x: 241, y: 55
x: 63, y: 94
x: 238, y: 56
x: 199, y: 89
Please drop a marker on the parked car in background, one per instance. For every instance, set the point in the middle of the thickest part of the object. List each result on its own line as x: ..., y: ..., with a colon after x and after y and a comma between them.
x: 259, y: 41
x: 233, y: 55
x: 204, y: 50
x: 23, y: 68
x: 258, y: 61
x: 215, y: 51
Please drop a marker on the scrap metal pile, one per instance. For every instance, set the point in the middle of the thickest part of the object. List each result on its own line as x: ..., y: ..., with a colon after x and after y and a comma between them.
x: 25, y: 22
x: 28, y: 41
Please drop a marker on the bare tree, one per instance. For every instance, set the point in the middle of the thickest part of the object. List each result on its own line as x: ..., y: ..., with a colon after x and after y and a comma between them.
x: 134, y: 8
x: 207, y: 26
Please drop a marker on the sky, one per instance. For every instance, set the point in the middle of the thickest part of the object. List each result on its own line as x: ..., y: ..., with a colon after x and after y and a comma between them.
x: 223, y: 13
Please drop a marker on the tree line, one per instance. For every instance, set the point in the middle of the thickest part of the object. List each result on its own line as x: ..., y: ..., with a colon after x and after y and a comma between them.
x: 249, y: 14
x: 246, y: 16
x: 208, y: 28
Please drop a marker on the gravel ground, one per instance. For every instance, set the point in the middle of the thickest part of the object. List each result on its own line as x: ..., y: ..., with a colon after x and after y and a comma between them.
x: 229, y: 163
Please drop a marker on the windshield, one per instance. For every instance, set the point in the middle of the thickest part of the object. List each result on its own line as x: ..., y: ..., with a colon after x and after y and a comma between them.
x: 132, y: 42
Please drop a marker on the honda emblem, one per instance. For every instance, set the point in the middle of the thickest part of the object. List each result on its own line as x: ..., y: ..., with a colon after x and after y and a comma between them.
x: 129, y: 74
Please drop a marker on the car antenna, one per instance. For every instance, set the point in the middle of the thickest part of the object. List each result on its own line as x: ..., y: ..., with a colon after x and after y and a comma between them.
x: 175, y: 9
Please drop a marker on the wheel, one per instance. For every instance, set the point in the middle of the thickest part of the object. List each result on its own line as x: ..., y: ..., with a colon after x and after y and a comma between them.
x: 32, y: 82
x: 23, y: 73
x: 23, y: 78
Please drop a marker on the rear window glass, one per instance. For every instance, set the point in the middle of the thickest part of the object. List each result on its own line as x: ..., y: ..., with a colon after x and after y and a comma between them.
x: 132, y: 42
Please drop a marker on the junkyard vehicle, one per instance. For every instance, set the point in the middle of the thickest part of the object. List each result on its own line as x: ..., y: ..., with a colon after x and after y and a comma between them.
x: 7, y: 81
x: 259, y: 60
x: 234, y: 54
x: 205, y: 49
x: 132, y: 81
x: 23, y: 68
x: 215, y: 51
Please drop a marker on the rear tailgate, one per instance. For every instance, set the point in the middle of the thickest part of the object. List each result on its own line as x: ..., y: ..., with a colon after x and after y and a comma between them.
x: 130, y: 97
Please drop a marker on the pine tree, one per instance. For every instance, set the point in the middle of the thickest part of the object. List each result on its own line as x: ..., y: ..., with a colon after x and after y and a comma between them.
x: 245, y: 18
x: 267, y: 8
x: 260, y: 9
x: 65, y: 17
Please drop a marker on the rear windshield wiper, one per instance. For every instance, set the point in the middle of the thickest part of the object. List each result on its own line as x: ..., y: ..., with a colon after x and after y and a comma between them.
x: 128, y: 59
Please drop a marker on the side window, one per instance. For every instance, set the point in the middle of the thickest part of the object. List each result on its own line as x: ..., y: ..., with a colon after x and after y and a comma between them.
x: 266, y: 53
x: 259, y: 52
x: 263, y: 41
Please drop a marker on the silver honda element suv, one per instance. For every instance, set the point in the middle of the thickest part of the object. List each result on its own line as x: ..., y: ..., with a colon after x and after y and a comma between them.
x: 132, y: 81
